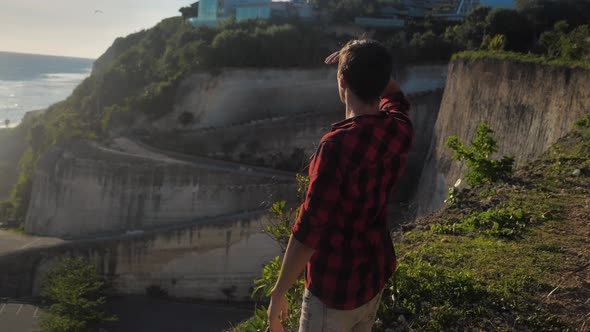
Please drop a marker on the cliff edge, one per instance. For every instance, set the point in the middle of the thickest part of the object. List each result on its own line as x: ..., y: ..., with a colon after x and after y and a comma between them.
x: 528, y: 105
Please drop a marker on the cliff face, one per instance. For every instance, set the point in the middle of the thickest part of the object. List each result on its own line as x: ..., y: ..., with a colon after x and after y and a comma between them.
x: 213, y: 260
x: 529, y: 106
x: 88, y: 190
x: 241, y: 95
x: 288, y: 142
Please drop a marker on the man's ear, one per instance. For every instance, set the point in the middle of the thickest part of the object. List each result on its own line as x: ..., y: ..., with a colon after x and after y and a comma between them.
x: 342, y: 82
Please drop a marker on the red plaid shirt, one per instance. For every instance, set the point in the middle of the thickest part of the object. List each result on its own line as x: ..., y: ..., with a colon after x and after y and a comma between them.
x: 344, y: 216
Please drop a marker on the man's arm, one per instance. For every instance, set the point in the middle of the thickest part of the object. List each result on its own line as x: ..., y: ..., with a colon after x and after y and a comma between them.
x: 391, y: 88
x: 313, y: 221
x: 393, y: 99
x: 296, y: 257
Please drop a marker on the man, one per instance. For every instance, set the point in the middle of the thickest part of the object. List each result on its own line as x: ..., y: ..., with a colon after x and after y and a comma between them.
x: 341, y: 233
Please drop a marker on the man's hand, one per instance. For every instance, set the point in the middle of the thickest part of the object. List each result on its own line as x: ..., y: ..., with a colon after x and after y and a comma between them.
x: 392, y: 87
x: 277, y: 311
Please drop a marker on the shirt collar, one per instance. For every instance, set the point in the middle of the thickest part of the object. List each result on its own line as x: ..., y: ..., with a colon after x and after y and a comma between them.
x: 349, y: 122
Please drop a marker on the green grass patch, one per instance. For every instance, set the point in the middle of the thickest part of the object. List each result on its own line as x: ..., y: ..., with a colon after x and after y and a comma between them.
x: 520, y: 57
x: 491, y: 263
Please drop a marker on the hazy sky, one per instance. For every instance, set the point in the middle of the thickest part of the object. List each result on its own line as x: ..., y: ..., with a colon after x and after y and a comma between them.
x: 71, y: 28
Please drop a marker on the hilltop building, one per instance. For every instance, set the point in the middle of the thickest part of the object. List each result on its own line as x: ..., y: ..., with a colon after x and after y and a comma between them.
x: 213, y: 11
x: 451, y: 10
x: 397, y: 16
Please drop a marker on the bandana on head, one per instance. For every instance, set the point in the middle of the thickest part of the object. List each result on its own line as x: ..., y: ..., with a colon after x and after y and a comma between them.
x: 333, y: 58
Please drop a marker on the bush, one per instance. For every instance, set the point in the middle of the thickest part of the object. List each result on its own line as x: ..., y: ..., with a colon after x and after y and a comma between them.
x: 280, y: 231
x: 481, y: 169
x: 504, y: 222
x: 572, y: 46
x: 495, y: 44
x: 186, y: 118
x: 75, y: 293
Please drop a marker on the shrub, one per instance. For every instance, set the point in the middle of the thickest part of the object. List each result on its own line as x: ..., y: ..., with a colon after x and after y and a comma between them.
x: 481, y: 169
x: 75, y: 293
x: 186, y: 118
x: 280, y: 231
x: 495, y: 44
x: 504, y: 222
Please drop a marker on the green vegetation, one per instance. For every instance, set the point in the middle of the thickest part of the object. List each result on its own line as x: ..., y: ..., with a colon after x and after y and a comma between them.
x: 139, y: 76
x: 75, y: 295
x: 280, y: 231
x: 493, y: 44
x: 482, y: 169
x: 511, y: 257
x: 520, y: 57
x: 526, y: 30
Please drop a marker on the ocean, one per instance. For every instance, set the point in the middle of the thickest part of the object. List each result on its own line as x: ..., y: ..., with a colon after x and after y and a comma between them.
x: 31, y: 82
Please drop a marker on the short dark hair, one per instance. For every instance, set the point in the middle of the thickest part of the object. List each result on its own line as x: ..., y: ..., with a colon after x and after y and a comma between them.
x: 366, y: 66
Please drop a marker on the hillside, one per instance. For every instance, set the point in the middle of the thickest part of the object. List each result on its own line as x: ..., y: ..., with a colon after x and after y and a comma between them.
x: 139, y: 78
x: 507, y: 256
x: 511, y: 256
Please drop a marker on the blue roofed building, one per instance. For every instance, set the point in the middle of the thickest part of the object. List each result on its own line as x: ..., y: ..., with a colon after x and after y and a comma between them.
x: 212, y: 12
x: 253, y: 9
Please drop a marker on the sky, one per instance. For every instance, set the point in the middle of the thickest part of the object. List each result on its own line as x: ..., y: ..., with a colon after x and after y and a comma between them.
x: 72, y: 28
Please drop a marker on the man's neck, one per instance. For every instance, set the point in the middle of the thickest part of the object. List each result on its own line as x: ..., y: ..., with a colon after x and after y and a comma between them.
x: 355, y: 107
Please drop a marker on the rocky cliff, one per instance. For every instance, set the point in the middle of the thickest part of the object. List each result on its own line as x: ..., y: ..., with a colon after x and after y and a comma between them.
x: 529, y: 106
x: 88, y: 190
x: 287, y: 142
x: 216, y: 259
x: 235, y: 96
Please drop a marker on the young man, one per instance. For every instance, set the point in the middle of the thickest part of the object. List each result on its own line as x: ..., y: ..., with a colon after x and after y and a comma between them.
x: 341, y: 233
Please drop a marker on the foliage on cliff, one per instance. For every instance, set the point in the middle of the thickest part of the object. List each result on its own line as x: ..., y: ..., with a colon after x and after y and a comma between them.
x: 522, y: 58
x: 75, y: 298
x: 512, y: 256
x: 138, y: 78
x: 521, y: 29
x: 481, y: 168
x: 280, y: 231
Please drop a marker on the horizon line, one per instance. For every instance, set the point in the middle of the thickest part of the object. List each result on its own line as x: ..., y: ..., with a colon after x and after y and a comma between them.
x: 49, y: 55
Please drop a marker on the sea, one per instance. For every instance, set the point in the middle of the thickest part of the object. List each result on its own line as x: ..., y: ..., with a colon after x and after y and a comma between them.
x: 31, y: 82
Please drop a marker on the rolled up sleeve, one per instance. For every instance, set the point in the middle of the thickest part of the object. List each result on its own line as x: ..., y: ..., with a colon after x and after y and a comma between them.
x: 395, y: 102
x: 323, y: 195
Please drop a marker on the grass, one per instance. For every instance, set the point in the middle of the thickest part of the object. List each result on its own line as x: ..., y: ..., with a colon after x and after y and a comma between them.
x: 508, y: 256
x: 520, y: 57
x: 490, y: 262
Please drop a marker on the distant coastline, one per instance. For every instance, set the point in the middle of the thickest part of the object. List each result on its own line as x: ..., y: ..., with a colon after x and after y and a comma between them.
x: 32, y: 82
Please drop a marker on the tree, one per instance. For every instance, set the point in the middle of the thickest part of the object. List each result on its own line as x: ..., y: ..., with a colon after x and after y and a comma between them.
x: 550, y: 40
x: 469, y: 34
x: 515, y: 26
x: 347, y: 10
x: 6, y: 123
x: 75, y: 292
x: 543, y: 14
x: 429, y: 46
x: 558, y: 43
x: 190, y: 11
x: 576, y: 44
